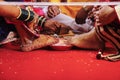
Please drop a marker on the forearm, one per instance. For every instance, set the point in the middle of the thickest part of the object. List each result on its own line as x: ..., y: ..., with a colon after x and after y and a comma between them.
x: 9, y: 11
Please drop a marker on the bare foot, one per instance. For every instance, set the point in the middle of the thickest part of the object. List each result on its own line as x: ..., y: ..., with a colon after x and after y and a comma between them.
x: 42, y: 41
x: 87, y: 40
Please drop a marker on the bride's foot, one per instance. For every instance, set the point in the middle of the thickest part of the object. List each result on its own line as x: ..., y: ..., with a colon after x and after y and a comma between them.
x: 42, y: 41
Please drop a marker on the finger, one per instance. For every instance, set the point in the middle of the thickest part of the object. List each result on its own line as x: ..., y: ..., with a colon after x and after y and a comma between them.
x: 50, y: 12
x: 50, y: 15
x: 56, y: 11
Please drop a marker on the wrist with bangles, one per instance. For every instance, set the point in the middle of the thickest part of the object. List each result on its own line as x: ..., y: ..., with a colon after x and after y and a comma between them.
x: 25, y: 15
x: 41, y: 21
x: 30, y: 17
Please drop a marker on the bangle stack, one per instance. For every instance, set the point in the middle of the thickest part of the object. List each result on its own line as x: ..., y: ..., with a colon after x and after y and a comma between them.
x: 25, y: 15
x: 28, y: 16
x: 41, y: 21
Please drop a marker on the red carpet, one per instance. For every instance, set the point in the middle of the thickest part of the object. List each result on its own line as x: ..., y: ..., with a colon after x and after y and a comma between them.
x: 46, y: 64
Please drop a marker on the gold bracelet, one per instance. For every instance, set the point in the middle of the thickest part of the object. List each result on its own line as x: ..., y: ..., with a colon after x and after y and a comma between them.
x: 19, y: 13
x: 28, y: 16
x: 39, y: 18
x: 43, y: 22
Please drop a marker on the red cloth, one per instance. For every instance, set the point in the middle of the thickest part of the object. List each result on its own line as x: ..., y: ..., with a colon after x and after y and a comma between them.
x: 108, y: 0
x: 39, y: 11
x: 46, y: 64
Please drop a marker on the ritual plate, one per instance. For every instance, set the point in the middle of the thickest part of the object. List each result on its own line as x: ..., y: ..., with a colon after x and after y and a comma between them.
x: 61, y: 45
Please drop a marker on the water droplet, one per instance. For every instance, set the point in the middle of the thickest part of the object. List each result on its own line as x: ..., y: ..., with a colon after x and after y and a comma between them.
x: 1, y: 62
x: 88, y: 64
x: 53, y: 59
x: 62, y: 70
x: 37, y: 58
x: 91, y: 70
x: 82, y: 60
x: 2, y: 72
x: 9, y: 67
x: 85, y: 63
x: 15, y: 72
x: 77, y: 60
x: 87, y: 71
x: 64, y: 60
x: 91, y: 61
x: 97, y: 64
x: 54, y: 72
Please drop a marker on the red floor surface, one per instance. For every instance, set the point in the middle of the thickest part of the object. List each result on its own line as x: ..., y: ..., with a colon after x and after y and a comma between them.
x: 45, y: 64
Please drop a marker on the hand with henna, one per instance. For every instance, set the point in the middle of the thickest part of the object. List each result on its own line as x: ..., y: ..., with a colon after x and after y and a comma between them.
x: 53, y: 11
x: 54, y: 27
x: 48, y: 26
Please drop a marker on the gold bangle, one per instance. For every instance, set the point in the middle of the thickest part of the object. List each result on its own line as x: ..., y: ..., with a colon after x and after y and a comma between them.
x: 39, y: 19
x: 28, y: 16
x: 43, y: 22
x: 19, y: 13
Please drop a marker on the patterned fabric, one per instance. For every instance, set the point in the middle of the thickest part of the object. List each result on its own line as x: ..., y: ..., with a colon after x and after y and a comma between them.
x: 39, y: 11
x: 5, y: 28
x: 111, y: 34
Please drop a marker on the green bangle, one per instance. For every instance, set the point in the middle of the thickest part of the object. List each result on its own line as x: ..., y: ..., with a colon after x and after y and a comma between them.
x: 25, y: 15
x: 41, y: 21
x: 31, y: 16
